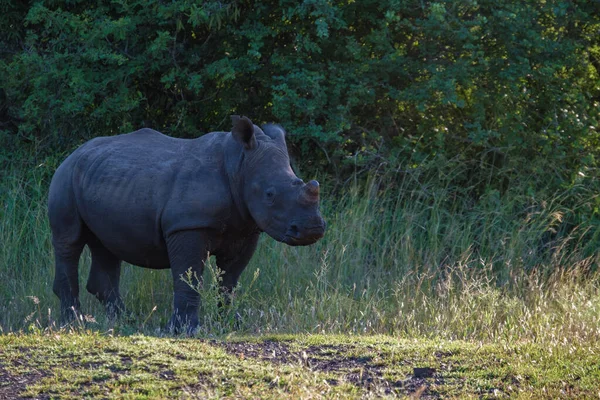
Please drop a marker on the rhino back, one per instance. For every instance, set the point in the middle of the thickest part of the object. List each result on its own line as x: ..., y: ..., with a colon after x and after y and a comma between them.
x: 133, y: 190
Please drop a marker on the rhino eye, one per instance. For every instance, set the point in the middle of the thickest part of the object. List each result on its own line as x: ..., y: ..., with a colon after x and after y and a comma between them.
x: 270, y: 195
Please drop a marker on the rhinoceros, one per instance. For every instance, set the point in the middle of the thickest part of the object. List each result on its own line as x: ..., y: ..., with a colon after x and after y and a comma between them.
x: 161, y: 202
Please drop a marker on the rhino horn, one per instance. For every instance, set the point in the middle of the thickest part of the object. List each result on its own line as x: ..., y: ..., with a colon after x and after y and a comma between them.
x: 311, y: 192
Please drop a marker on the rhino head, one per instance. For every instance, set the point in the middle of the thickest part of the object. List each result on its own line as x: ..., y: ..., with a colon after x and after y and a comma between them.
x: 280, y: 203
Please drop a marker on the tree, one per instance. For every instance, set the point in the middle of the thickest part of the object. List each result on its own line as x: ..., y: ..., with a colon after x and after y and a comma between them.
x: 488, y: 83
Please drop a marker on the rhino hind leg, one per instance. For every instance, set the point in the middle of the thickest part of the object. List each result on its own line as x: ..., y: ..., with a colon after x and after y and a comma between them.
x: 66, y: 278
x: 103, y: 281
x: 69, y: 234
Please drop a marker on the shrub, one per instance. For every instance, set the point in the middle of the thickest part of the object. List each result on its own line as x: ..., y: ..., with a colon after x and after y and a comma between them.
x: 507, y: 87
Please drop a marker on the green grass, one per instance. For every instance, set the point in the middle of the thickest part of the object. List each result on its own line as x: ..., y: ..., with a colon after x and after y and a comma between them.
x: 89, y: 364
x: 416, y: 260
x: 500, y: 295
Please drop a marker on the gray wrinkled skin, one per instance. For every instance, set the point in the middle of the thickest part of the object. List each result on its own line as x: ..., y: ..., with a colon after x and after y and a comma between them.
x: 161, y: 202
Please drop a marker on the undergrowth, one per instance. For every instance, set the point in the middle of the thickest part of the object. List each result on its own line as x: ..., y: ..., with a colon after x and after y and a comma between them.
x: 400, y: 257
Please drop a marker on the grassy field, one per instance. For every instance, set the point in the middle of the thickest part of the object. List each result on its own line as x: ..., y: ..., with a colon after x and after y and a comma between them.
x: 79, y: 365
x: 500, y: 296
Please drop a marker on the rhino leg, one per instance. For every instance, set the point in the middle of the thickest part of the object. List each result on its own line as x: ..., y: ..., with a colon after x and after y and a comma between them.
x: 68, y: 239
x: 103, y: 281
x: 233, y: 261
x: 187, y: 254
x: 66, y: 278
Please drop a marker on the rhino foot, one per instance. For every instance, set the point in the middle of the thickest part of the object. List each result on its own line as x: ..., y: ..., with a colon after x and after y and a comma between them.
x: 181, y: 325
x: 70, y: 314
x: 115, y: 310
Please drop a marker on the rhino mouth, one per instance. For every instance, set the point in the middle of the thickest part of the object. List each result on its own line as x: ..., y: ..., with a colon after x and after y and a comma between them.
x: 294, y: 237
x: 292, y: 241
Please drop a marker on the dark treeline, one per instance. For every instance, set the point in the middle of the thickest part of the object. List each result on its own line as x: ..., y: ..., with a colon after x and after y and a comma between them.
x: 495, y: 90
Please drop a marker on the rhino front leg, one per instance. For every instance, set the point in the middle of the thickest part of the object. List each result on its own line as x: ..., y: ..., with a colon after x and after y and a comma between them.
x: 233, y: 261
x: 187, y: 254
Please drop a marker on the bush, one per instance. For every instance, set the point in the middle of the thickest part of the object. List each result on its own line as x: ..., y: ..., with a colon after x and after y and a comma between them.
x: 507, y: 87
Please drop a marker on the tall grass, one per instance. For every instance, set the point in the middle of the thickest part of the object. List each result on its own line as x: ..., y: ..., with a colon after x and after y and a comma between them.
x: 413, y: 259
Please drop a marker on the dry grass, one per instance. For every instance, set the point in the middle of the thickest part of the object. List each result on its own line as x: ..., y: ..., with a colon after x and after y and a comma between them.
x: 410, y: 260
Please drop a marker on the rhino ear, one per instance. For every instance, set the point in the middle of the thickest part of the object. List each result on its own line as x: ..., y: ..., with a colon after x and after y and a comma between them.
x: 275, y: 132
x: 243, y: 131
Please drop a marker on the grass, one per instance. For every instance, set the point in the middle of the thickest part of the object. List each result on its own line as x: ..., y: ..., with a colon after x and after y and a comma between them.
x: 500, y: 295
x: 416, y: 260
x: 89, y: 364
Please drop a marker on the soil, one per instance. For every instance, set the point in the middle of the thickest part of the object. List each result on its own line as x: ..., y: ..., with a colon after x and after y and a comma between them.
x: 11, y: 386
x: 359, y: 371
x: 340, y: 362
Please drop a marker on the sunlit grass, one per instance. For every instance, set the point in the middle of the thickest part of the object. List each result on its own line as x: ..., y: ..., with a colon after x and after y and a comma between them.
x: 89, y: 364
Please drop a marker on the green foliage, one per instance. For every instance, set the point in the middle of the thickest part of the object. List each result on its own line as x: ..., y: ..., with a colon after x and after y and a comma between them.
x: 508, y: 87
x: 220, y: 313
x: 484, y: 115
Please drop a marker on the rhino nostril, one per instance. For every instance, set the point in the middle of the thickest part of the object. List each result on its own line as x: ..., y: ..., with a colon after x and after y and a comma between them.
x: 294, y: 230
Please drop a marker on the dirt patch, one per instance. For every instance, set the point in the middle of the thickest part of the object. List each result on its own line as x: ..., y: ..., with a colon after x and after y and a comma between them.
x: 196, y: 391
x: 12, y: 386
x: 88, y: 365
x: 360, y: 371
x: 276, y: 352
x: 167, y: 374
